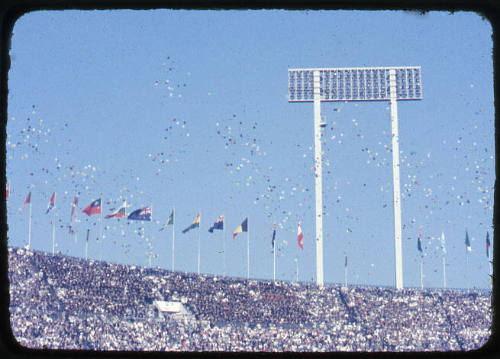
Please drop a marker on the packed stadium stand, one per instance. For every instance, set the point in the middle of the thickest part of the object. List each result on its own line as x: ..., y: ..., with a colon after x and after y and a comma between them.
x: 61, y: 302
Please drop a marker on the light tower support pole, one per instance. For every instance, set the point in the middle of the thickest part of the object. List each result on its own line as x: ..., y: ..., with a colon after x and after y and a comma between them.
x: 396, y: 184
x: 356, y: 84
x: 318, y: 180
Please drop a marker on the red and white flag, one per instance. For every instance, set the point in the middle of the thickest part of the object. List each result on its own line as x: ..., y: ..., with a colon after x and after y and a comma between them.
x: 93, y: 208
x: 300, y: 235
x: 7, y: 191
x: 119, y: 213
x: 73, y: 208
x: 27, y: 200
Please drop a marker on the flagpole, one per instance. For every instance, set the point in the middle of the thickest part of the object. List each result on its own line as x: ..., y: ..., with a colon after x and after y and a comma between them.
x: 87, y: 245
x: 274, y: 251
x: 490, y: 262
x: 296, y: 270
x: 199, y: 230
x: 467, y: 262
x: 248, y: 247
x: 224, y: 242
x: 443, y: 245
x: 53, y: 230
x: 345, y: 272
x: 421, y: 273
x: 444, y: 272
x: 29, y: 227
x: 274, y: 261
x: 173, y: 237
x: 151, y: 239
x: 491, y: 266
x: 125, y: 236
x: 100, y: 233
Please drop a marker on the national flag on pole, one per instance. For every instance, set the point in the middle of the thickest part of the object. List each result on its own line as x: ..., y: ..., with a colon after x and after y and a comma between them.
x: 27, y: 200
x: 7, y: 191
x: 300, y: 235
x: 219, y: 224
x: 119, y: 213
x: 52, y: 203
x: 274, y: 234
x: 73, y: 208
x: 419, y: 244
x: 93, y: 208
x: 467, y: 242
x: 443, y: 243
x: 488, y: 244
x: 243, y: 227
x: 141, y: 214
x: 195, y: 224
x: 170, y: 220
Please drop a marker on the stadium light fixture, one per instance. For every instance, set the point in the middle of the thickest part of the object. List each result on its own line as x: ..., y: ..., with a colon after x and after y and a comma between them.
x: 356, y: 84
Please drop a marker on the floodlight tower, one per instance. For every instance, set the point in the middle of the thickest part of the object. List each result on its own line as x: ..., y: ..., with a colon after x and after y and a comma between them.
x: 356, y: 84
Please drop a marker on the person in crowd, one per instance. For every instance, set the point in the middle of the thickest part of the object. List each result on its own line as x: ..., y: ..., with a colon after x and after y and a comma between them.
x: 60, y: 302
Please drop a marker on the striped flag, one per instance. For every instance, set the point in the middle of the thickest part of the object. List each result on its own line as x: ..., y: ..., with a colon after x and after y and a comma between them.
x: 52, y: 203
x: 300, y: 235
x: 195, y: 224
x: 119, y: 213
x: 243, y: 227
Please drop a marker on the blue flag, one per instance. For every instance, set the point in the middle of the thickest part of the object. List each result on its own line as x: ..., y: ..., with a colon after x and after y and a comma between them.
x: 274, y: 234
x: 219, y: 224
x: 488, y: 244
x: 170, y: 220
x: 467, y: 242
x: 419, y: 245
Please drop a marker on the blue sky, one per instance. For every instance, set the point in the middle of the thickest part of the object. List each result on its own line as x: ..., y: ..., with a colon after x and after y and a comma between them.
x: 189, y: 109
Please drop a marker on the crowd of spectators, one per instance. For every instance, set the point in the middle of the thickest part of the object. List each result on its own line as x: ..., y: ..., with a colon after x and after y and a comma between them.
x: 62, y: 302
